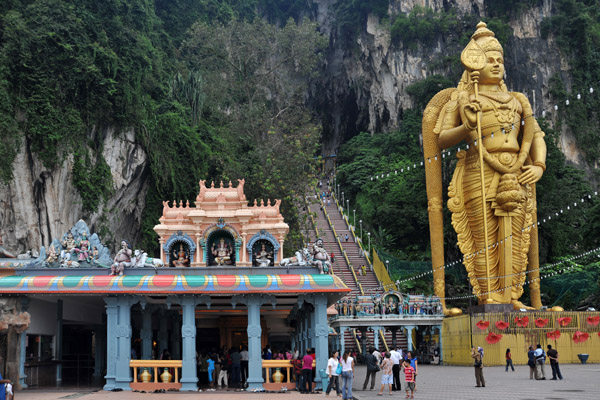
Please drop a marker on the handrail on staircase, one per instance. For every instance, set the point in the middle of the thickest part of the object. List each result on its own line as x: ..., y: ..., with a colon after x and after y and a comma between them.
x: 357, y: 341
x: 362, y: 292
x: 359, y: 241
x: 383, y: 339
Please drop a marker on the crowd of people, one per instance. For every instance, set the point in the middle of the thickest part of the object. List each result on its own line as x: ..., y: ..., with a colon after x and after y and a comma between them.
x: 389, y: 363
x: 536, y: 362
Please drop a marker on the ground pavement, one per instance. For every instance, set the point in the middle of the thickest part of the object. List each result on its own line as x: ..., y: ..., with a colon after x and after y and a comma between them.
x: 433, y: 382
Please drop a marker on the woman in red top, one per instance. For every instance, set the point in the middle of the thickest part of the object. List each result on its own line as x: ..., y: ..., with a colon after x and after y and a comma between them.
x: 509, y: 361
x: 307, y: 362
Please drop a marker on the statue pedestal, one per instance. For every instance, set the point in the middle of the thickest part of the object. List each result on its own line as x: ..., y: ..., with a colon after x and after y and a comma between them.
x: 488, y: 308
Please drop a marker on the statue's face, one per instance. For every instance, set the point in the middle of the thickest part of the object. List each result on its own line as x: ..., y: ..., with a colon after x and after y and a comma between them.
x: 123, y: 244
x: 320, y: 243
x: 493, y: 72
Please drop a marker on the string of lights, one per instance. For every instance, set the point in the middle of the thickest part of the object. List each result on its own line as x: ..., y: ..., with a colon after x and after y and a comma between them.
x: 448, y: 152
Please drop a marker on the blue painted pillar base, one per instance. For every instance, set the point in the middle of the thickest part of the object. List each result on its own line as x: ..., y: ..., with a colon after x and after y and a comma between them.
x: 189, y: 378
x: 123, y: 333
x: 321, y: 332
x: 111, y: 342
x: 255, y: 380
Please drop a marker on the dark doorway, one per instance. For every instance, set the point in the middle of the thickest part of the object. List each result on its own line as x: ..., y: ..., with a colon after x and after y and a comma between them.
x: 77, y: 357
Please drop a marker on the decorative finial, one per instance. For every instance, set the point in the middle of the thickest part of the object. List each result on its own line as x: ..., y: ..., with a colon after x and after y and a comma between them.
x: 230, y: 184
x: 187, y: 204
x: 262, y: 202
x: 212, y: 184
x: 482, y: 31
x: 255, y: 204
x: 268, y: 202
x: 221, y: 184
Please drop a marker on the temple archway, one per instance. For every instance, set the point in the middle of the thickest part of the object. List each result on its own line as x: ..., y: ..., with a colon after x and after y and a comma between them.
x: 268, y: 239
x: 172, y: 248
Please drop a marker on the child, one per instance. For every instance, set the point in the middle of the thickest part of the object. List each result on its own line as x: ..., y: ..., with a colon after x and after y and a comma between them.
x: 409, y: 374
x: 211, y: 372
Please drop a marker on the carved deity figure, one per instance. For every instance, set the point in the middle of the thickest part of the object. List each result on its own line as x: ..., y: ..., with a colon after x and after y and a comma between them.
x: 82, y: 248
x: 320, y: 257
x: 492, y: 192
x: 263, y: 257
x: 180, y: 258
x: 52, y: 256
x: 68, y: 245
x: 122, y: 259
x: 222, y: 252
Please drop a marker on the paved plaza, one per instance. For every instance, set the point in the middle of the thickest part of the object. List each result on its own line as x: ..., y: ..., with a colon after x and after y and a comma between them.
x: 433, y: 382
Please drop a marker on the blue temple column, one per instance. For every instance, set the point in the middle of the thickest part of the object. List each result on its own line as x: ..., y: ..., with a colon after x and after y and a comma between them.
x: 311, y: 330
x: 146, y: 333
x: 342, y: 340
x: 409, y: 337
x: 255, y: 379
x: 321, y: 335
x: 59, y: 339
x: 376, y: 330
x: 22, y: 346
x: 111, y: 342
x: 189, y: 378
x: 123, y: 333
x: 301, y: 346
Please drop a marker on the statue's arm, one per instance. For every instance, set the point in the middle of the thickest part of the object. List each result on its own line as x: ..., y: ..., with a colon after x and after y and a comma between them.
x: 453, y: 130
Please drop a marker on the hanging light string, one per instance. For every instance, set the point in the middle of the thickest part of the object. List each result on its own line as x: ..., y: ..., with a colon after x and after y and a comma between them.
x: 491, y: 246
x: 533, y: 279
x: 448, y: 152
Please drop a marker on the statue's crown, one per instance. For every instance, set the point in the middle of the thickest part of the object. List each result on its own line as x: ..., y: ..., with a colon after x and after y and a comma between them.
x: 485, y: 38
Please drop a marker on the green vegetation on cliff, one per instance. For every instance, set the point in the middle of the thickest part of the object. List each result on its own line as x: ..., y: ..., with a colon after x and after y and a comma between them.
x: 69, y: 70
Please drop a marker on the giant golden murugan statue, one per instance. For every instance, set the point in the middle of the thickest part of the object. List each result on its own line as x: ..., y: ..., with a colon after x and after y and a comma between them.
x: 505, y: 150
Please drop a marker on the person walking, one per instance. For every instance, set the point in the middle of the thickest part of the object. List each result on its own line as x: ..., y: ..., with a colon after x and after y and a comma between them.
x: 386, y: 377
x: 347, y: 376
x: 477, y: 355
x: 372, y: 368
x: 307, y: 362
x: 540, y: 359
x: 531, y: 363
x: 396, y: 356
x: 409, y: 377
x: 414, y: 363
x: 553, y: 356
x: 244, y: 365
x: 509, y: 361
x: 334, y: 378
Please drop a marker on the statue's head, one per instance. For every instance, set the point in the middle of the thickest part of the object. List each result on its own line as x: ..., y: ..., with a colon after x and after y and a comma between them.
x: 125, y: 244
x: 319, y: 242
x: 492, y: 72
x: 69, y: 235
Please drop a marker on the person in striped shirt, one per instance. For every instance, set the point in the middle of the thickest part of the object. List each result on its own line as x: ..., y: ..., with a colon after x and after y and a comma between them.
x: 409, y: 374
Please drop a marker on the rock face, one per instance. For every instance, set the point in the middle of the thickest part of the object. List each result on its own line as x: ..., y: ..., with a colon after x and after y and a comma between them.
x: 40, y: 204
x: 362, y: 88
x: 364, y: 84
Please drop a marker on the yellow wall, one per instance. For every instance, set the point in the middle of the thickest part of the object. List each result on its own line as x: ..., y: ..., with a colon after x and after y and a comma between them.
x: 460, y: 333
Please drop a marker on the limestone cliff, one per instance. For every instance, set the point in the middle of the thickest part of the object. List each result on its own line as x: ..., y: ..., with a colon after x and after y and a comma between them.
x: 40, y: 204
x: 365, y: 82
x: 361, y: 87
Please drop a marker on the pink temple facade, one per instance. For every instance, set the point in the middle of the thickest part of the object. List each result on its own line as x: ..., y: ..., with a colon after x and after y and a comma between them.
x: 221, y: 229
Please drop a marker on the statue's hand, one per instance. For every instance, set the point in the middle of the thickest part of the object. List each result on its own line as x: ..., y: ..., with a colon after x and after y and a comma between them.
x: 531, y: 174
x: 469, y: 107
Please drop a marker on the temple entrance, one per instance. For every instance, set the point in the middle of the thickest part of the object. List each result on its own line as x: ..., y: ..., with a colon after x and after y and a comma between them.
x: 78, y: 355
x: 263, y: 254
x: 221, y: 249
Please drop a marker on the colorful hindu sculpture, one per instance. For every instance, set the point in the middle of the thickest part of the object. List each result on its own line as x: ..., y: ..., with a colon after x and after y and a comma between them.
x: 122, y: 259
x: 82, y: 248
x: 492, y: 193
x: 180, y: 258
x: 320, y: 257
x: 263, y: 257
x: 68, y: 245
x: 222, y: 252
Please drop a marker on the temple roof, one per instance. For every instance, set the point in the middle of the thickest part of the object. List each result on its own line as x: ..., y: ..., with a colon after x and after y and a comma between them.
x: 172, y: 284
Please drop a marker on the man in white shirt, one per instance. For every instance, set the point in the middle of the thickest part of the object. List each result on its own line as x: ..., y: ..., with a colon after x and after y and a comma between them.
x: 396, y: 356
x: 377, y: 354
x: 540, y: 359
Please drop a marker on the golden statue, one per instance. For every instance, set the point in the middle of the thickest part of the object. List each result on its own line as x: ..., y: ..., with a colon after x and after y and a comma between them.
x: 494, y: 226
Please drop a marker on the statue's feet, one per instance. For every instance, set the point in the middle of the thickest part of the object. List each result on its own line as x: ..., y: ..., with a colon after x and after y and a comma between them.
x: 517, y: 306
